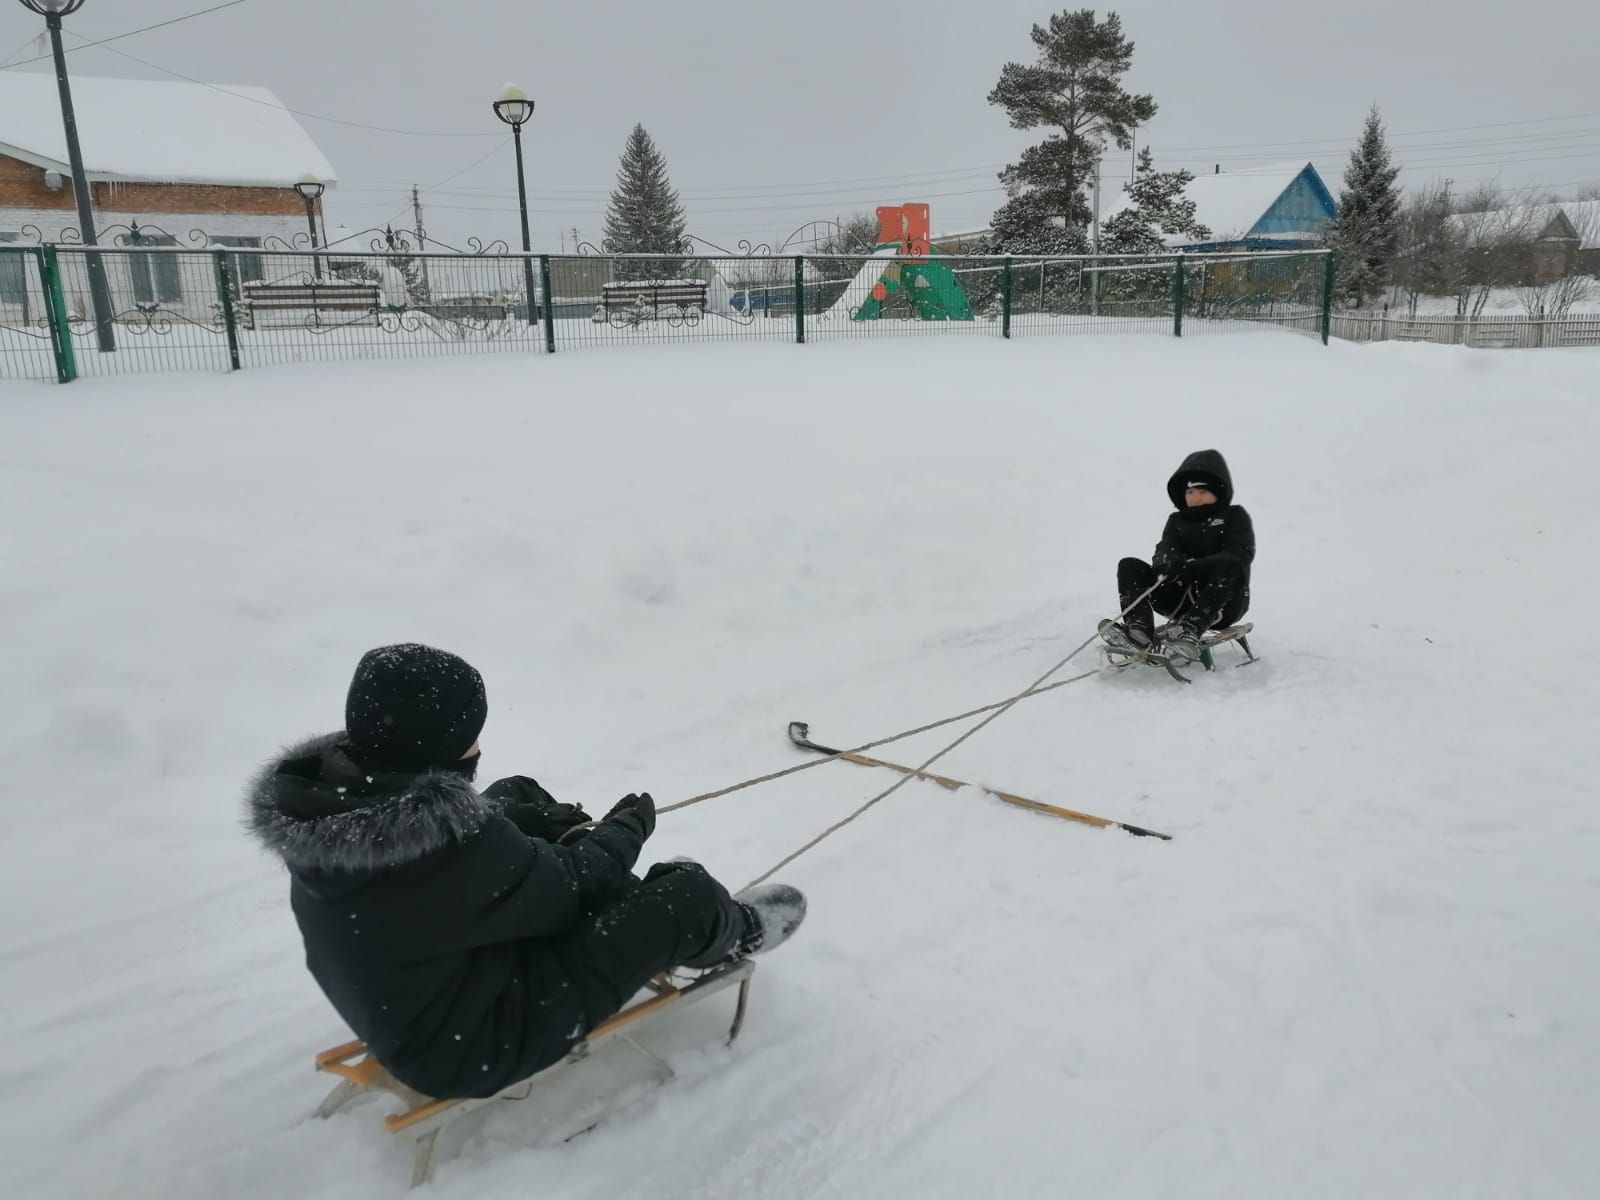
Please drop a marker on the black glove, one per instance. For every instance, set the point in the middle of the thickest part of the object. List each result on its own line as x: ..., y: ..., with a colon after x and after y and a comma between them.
x: 677, y: 864
x: 533, y: 810
x: 518, y: 789
x: 636, y: 812
x: 1182, y: 573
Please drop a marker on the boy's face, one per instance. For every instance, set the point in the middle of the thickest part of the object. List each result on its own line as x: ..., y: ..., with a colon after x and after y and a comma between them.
x: 1196, y: 496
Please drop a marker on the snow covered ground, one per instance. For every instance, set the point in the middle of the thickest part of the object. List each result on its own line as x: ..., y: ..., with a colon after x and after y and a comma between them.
x: 1365, y: 966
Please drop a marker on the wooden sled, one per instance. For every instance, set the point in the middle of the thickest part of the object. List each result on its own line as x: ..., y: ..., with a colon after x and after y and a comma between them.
x: 424, y: 1118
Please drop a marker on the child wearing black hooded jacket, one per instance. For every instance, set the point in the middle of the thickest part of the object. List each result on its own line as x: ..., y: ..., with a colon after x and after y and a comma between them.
x: 471, y: 938
x: 1200, y: 573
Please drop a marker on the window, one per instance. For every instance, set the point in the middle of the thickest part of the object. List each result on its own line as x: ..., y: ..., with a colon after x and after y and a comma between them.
x: 247, y: 268
x: 13, y: 275
x: 156, y: 275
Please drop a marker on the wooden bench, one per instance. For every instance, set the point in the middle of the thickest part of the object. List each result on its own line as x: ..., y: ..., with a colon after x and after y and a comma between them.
x: 651, y: 299
x: 292, y: 305
x: 424, y: 1118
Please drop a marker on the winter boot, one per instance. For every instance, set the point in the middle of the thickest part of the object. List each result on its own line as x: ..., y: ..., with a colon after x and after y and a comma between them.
x: 1129, y: 638
x: 773, y: 911
x: 1183, y: 647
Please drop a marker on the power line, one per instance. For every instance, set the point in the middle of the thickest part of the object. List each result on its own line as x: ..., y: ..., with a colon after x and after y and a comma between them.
x: 1405, y: 153
x: 1391, y: 134
x: 131, y: 33
x: 446, y: 179
x: 958, y: 175
x: 285, y: 108
x: 799, y: 207
x: 758, y: 191
x: 574, y: 195
x: 30, y: 40
x: 575, y: 207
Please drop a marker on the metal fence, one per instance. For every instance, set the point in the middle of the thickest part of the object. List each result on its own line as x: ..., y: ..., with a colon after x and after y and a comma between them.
x: 221, y: 309
x: 1491, y: 332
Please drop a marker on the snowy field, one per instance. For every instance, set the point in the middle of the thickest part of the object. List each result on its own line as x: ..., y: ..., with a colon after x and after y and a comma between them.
x: 1366, y: 965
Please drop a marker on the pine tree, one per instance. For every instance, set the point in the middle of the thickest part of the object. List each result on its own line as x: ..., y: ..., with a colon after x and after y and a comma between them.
x: 1160, y: 209
x: 1074, y: 90
x: 645, y: 216
x: 1367, y: 230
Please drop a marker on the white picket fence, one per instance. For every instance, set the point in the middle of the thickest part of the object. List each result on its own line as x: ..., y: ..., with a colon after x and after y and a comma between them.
x: 1495, y: 332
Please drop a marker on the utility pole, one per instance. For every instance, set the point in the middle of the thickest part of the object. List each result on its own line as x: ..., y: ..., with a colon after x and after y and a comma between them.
x: 422, y: 239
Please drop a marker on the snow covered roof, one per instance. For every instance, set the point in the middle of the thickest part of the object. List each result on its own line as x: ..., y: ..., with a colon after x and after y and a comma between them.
x: 1230, y: 204
x: 158, y: 132
x: 1526, y: 222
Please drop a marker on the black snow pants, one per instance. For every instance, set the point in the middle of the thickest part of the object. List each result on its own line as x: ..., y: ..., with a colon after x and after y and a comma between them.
x: 678, y: 915
x: 1213, y: 599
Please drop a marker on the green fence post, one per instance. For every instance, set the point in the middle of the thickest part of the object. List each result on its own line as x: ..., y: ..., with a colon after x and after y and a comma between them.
x: 800, y: 298
x: 60, y: 329
x: 1178, y: 283
x: 225, y: 298
x: 1005, y: 298
x: 549, y: 306
x: 1327, y: 295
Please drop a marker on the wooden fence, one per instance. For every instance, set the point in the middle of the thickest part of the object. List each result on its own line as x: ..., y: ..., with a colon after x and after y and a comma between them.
x: 1501, y: 333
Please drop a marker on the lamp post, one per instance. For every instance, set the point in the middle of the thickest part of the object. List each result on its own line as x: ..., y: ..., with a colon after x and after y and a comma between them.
x: 52, y: 11
x: 311, y: 189
x: 514, y: 108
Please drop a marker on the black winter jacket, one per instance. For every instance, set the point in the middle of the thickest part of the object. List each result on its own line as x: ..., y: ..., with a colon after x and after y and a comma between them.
x: 1219, y: 532
x: 430, y: 920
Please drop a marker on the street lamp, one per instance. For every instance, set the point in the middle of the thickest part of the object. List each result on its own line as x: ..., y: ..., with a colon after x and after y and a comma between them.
x: 311, y: 189
x: 52, y: 11
x: 514, y: 108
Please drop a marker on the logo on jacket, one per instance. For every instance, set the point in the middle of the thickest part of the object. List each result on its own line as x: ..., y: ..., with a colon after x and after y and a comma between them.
x: 1216, y: 521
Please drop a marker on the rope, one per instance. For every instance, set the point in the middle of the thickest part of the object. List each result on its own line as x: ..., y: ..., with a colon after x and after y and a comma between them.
x: 1000, y: 711
x: 865, y: 746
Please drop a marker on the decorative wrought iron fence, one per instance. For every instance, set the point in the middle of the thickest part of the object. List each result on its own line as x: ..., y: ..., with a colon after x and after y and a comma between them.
x: 215, y: 305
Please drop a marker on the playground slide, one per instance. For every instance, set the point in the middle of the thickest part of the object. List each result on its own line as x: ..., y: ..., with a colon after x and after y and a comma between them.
x: 860, y: 288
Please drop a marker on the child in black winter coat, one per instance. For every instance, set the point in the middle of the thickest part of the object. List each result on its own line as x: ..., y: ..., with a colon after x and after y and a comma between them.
x: 1200, y: 574
x: 470, y: 938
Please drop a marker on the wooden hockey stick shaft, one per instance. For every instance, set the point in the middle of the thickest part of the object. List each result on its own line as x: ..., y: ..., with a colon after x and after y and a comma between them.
x: 798, y: 733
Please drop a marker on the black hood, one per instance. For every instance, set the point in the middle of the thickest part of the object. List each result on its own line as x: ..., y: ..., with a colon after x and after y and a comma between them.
x: 1208, y: 465
x: 315, y: 808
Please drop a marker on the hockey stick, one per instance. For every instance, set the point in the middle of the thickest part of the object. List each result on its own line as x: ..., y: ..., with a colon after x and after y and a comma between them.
x: 800, y: 735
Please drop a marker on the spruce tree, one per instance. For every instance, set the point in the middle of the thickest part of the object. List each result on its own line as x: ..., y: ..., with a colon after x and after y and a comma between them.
x: 1366, y: 232
x: 645, y: 216
x: 1075, y: 91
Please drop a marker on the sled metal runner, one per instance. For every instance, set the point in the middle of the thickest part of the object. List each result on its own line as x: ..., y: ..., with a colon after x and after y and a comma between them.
x: 1122, y: 656
x: 800, y: 735
x: 424, y: 1118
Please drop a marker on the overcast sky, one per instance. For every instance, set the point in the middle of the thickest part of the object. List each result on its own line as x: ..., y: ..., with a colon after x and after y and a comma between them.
x: 772, y: 115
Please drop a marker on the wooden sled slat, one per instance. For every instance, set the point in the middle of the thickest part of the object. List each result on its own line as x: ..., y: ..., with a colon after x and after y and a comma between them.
x: 425, y: 1117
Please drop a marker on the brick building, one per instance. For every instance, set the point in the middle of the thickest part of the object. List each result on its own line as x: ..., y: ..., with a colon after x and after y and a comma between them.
x: 189, y: 164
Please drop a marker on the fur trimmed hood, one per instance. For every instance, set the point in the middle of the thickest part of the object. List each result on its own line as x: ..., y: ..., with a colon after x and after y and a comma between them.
x: 315, y: 808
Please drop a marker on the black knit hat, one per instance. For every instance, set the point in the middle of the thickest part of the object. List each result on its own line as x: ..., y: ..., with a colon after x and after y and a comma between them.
x: 412, y: 707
